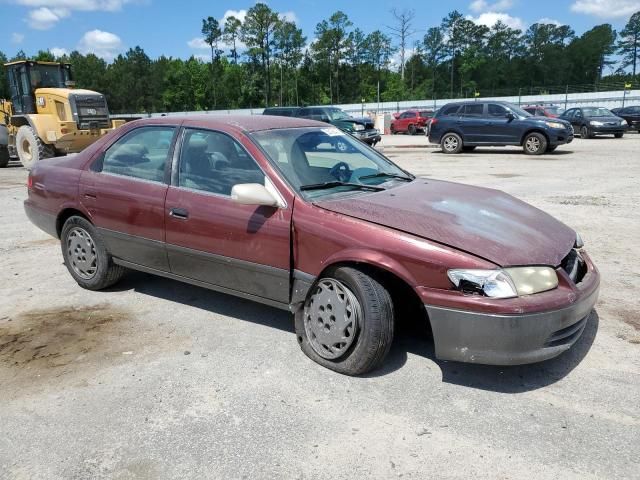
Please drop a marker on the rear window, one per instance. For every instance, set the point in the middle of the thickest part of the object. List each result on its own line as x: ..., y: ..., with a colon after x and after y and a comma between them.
x: 474, y: 110
x: 449, y: 110
x: 426, y: 113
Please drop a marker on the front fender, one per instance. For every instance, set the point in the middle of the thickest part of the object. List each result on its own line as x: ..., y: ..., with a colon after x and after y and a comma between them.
x: 371, y: 257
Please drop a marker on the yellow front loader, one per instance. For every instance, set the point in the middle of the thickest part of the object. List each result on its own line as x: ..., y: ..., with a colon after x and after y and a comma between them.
x: 46, y: 116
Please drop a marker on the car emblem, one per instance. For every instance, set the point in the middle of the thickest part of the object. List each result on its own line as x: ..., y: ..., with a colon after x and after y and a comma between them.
x: 92, y: 111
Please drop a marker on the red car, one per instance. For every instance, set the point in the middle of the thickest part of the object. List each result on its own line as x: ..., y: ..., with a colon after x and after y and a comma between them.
x: 551, y: 111
x: 268, y: 209
x: 411, y: 121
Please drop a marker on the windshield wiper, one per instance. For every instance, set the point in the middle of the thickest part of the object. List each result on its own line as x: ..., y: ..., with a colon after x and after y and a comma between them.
x: 320, y: 186
x: 384, y: 174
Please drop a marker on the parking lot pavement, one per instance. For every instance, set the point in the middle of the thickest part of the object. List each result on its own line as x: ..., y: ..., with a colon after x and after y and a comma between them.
x: 156, y: 379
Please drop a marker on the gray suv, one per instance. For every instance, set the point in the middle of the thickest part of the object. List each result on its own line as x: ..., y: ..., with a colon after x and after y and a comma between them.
x: 461, y: 127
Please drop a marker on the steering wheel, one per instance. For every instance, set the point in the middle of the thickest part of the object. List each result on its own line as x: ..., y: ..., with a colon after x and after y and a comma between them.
x: 341, y: 171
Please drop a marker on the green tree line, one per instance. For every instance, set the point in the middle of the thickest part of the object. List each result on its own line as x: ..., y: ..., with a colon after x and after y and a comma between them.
x: 267, y: 60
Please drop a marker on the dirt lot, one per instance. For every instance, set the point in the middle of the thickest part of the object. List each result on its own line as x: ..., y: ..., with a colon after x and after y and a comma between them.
x: 155, y: 379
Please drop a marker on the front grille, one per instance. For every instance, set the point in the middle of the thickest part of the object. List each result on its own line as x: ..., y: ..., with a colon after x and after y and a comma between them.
x: 575, y: 266
x: 91, y: 111
x: 567, y: 335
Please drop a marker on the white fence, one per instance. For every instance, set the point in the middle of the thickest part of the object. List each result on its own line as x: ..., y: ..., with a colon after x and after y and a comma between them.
x: 611, y: 99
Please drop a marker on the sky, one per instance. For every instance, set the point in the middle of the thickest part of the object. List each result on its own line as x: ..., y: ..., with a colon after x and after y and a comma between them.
x: 172, y: 27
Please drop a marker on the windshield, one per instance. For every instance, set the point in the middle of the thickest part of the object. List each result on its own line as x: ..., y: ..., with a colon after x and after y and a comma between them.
x: 48, y: 76
x: 596, y: 112
x: 553, y: 110
x: 326, y: 161
x: 337, y: 114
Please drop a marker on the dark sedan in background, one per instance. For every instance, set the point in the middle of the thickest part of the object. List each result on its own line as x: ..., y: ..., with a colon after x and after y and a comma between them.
x: 592, y: 121
x: 630, y: 114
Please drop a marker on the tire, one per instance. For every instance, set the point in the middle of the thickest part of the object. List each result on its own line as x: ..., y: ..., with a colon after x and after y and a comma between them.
x: 91, y: 267
x: 412, y: 130
x: 534, y: 144
x: 365, y: 342
x: 468, y: 149
x: 551, y: 148
x: 4, y: 156
x: 30, y: 147
x: 392, y: 130
x: 618, y: 135
x: 585, y: 133
x: 451, y: 143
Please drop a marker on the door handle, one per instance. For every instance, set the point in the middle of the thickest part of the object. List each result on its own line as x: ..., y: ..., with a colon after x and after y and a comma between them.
x: 179, y: 213
x: 92, y: 196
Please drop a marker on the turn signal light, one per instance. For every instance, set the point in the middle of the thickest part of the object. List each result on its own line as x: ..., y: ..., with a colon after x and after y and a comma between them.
x: 29, y: 182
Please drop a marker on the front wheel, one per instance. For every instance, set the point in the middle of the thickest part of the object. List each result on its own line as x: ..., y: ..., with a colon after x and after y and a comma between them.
x: 86, y: 257
x: 534, y: 144
x: 451, y: 143
x: 347, y: 322
x: 585, y: 133
x: 412, y: 130
x: 619, y: 135
x: 31, y: 148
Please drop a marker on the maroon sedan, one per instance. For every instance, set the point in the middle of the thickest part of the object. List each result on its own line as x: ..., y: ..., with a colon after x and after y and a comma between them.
x: 268, y: 209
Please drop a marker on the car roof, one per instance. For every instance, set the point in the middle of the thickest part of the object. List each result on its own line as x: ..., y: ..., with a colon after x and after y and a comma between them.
x: 244, y: 123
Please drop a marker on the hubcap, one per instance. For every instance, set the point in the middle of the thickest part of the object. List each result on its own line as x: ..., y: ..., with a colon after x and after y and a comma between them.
x: 533, y: 144
x: 450, y: 143
x: 81, y: 252
x: 331, y: 318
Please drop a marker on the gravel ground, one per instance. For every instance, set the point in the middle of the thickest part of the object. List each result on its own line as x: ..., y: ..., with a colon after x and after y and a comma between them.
x: 156, y: 379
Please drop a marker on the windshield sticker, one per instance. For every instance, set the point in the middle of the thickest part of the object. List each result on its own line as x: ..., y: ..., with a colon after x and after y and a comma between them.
x: 333, y: 132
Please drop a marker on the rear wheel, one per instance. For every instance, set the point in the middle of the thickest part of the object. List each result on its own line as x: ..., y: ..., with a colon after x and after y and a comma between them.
x: 534, y: 144
x: 619, y: 135
x: 4, y: 156
x: 393, y: 129
x: 451, y: 143
x: 31, y: 148
x: 412, y: 130
x: 86, y: 257
x: 347, y: 322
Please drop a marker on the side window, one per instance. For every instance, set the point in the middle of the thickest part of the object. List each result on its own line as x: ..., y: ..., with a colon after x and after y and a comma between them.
x: 569, y: 113
x: 213, y: 162
x: 304, y: 112
x: 406, y: 115
x: 450, y: 110
x: 473, y: 110
x: 496, y: 110
x: 577, y: 113
x: 141, y: 153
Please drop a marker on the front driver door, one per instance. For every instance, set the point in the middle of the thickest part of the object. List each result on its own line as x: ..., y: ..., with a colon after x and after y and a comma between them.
x: 212, y: 239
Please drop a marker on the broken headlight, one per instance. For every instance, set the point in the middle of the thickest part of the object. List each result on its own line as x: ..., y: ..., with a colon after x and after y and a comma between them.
x: 504, y: 283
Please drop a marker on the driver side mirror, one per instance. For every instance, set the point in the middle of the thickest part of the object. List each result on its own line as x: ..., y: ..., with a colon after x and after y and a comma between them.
x: 510, y: 116
x: 324, y: 118
x: 253, y: 194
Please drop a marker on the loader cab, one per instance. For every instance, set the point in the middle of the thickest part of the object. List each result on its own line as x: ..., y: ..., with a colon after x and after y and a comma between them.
x: 26, y: 76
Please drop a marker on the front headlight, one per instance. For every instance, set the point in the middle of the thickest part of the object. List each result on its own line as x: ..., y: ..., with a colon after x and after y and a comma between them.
x: 623, y: 122
x: 596, y: 123
x: 505, y: 283
x: 555, y: 125
x: 357, y: 127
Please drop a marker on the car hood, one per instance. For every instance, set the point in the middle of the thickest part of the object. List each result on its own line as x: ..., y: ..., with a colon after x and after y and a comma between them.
x: 348, y: 122
x: 484, y: 222
x: 548, y: 119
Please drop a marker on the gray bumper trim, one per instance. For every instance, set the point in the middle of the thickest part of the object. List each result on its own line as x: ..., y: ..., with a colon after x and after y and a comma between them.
x: 508, y: 339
